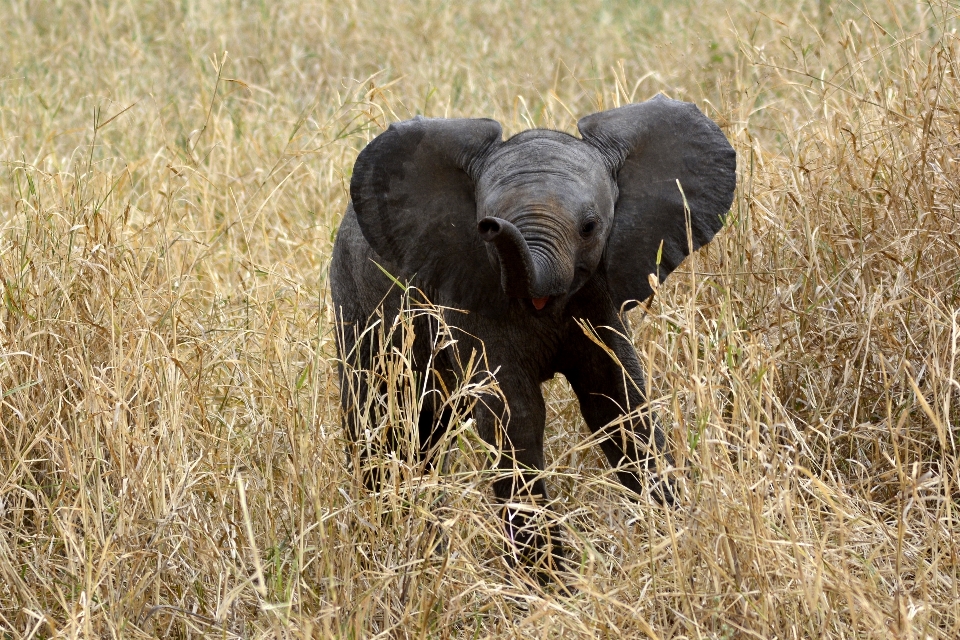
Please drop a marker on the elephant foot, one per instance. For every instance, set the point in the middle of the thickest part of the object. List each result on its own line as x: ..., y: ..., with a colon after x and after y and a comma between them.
x: 533, y: 547
x: 663, y: 489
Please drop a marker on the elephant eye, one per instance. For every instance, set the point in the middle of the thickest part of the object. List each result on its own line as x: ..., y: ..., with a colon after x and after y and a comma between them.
x: 588, y: 227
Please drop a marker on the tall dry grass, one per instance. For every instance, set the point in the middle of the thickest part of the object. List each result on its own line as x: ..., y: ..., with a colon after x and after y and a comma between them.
x: 171, y: 461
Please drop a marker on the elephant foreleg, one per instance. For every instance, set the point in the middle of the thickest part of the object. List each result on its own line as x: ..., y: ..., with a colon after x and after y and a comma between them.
x: 612, y: 401
x: 533, y: 537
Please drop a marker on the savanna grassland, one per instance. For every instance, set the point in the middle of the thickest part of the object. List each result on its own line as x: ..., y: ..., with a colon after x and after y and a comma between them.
x: 171, y: 461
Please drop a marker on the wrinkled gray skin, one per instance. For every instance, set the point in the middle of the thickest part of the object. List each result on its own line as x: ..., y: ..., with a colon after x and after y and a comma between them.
x: 498, y: 228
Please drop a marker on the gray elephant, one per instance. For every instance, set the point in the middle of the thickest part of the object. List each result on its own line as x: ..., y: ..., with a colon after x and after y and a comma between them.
x: 527, y: 242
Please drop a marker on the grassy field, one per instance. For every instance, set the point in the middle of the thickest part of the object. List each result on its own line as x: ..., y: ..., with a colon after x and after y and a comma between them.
x: 171, y: 462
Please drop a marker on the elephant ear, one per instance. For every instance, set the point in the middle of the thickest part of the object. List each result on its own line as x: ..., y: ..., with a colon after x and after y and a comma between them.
x: 413, y: 193
x: 650, y: 146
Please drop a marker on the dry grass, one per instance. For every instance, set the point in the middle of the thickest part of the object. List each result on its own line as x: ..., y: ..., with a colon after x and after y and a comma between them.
x: 171, y: 461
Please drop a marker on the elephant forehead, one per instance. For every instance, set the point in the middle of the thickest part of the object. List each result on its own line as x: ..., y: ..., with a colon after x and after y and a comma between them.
x: 545, y: 160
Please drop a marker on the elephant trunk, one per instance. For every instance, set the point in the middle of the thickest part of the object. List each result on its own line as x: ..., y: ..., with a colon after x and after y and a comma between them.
x: 519, y: 275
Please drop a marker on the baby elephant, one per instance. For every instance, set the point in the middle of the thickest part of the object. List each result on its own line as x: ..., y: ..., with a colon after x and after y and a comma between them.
x: 533, y: 246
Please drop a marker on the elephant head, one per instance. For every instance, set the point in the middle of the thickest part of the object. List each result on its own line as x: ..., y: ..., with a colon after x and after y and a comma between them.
x: 479, y: 221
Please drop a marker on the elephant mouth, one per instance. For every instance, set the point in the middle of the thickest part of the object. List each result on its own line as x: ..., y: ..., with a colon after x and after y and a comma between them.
x: 540, y: 303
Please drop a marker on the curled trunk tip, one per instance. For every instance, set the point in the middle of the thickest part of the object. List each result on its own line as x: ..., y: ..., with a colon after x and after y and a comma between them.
x: 518, y: 275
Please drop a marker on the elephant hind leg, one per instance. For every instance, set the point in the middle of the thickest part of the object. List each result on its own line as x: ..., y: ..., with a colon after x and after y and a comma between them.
x: 431, y: 430
x: 376, y: 391
x: 363, y: 390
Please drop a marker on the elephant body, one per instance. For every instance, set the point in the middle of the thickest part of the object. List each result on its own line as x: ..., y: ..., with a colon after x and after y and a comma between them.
x: 528, y: 245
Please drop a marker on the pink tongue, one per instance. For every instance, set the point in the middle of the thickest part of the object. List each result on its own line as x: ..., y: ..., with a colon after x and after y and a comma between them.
x: 540, y: 303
